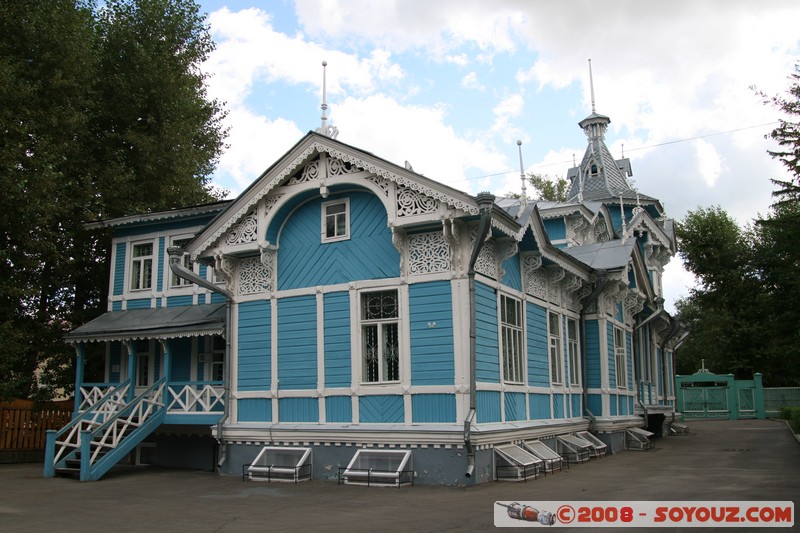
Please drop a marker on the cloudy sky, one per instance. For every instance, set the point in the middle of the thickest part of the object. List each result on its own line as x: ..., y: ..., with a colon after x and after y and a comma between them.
x: 450, y: 85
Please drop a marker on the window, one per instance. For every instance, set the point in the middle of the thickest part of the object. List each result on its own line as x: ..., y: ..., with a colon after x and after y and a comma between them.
x: 335, y: 220
x: 620, y: 357
x: 143, y: 366
x: 380, y: 336
x: 572, y: 351
x: 142, y: 266
x: 511, y: 338
x: 554, y: 334
x: 176, y: 281
x: 218, y: 359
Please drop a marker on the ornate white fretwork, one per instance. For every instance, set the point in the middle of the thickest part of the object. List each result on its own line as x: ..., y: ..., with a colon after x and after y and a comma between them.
x: 411, y: 202
x: 601, y: 231
x: 506, y: 249
x: 225, y: 268
x: 310, y: 172
x: 578, y: 230
x: 633, y: 304
x: 337, y: 167
x: 399, y: 243
x: 487, y: 260
x: 533, y: 276
x: 255, y: 276
x: 245, y: 231
x: 428, y: 253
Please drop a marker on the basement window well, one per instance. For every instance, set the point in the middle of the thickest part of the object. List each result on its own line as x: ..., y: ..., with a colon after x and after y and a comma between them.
x: 385, y: 468
x: 274, y: 463
x: 514, y: 463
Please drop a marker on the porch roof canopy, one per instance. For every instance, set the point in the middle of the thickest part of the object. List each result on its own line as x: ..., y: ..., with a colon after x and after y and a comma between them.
x: 161, y: 323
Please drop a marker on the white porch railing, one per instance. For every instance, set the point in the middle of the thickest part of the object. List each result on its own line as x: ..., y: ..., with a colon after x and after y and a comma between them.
x: 94, y: 393
x: 195, y: 397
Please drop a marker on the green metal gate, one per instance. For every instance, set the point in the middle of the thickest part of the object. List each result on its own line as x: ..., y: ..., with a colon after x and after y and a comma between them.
x: 707, y: 395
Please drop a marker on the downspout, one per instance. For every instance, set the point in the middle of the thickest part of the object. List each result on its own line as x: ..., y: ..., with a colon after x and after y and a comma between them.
x: 599, y: 286
x: 485, y: 203
x: 175, y: 256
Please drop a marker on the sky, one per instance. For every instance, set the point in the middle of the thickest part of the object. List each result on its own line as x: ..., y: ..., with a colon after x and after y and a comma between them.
x: 451, y: 85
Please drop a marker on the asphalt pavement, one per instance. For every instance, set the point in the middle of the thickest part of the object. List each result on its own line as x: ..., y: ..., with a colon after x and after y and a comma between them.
x: 747, y: 460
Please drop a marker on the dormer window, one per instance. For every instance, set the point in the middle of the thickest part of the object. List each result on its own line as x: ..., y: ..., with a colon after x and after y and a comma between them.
x: 593, y: 170
x: 336, y: 220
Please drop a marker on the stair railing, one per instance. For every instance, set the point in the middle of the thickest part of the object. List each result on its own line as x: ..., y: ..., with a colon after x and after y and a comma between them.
x: 113, y: 431
x: 68, y: 438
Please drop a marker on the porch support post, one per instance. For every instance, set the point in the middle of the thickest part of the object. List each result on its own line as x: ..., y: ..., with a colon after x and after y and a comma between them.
x: 130, y: 346
x: 166, y: 349
x: 80, y: 351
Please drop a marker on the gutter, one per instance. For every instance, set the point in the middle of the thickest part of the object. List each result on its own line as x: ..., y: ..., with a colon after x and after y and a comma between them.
x: 175, y: 256
x: 485, y: 204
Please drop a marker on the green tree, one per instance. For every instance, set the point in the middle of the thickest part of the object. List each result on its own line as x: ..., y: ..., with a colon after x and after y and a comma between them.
x: 549, y: 189
x: 103, y: 112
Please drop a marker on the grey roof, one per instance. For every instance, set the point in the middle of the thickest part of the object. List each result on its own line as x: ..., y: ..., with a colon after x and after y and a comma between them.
x: 604, y: 255
x: 161, y: 323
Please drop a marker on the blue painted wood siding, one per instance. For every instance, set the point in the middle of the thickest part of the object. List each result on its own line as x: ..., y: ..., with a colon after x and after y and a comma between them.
x: 595, y: 404
x: 178, y: 301
x: 433, y: 408
x: 556, y: 229
x: 338, y: 409
x: 254, y: 345
x: 592, y: 330
x: 299, y: 409
x: 119, y: 269
x: 337, y: 340
x: 487, y: 406
x: 431, y: 325
x: 515, y: 406
x: 629, y: 359
x: 254, y: 409
x: 612, y: 366
x: 304, y: 261
x: 558, y: 406
x: 297, y: 342
x: 538, y: 365
x: 386, y: 409
x: 576, y: 405
x: 158, y: 263
x: 513, y: 273
x: 539, y: 406
x: 139, y: 303
x: 181, y: 359
x: 487, y: 350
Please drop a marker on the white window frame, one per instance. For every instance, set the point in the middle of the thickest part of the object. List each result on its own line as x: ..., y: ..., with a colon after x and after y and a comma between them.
x: 176, y: 282
x: 512, y: 345
x: 141, y: 261
x: 573, y: 352
x: 324, y: 220
x: 379, y: 325
x: 555, y: 351
x: 620, y: 358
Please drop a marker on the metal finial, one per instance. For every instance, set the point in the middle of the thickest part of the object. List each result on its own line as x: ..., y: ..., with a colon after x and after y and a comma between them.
x: 524, y: 197
x: 624, y: 222
x: 623, y: 150
x: 330, y: 131
x: 591, y: 84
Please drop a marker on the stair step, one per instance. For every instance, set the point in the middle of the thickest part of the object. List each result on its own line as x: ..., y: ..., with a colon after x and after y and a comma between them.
x: 69, y: 472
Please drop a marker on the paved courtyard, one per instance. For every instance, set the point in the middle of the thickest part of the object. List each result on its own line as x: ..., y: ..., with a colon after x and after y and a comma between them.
x: 754, y: 460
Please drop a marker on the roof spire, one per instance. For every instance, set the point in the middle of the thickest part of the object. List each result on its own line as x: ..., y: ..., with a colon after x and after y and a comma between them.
x: 591, y: 84
x: 324, y: 129
x: 523, y: 199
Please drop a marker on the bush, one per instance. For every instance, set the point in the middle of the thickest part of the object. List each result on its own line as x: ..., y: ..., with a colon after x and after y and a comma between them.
x: 792, y: 414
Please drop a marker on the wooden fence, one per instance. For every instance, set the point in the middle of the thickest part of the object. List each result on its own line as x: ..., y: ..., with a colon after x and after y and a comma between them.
x: 23, y: 426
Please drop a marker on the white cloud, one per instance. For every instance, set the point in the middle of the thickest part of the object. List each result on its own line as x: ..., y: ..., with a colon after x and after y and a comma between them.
x: 417, y: 134
x: 470, y: 81
x: 708, y: 161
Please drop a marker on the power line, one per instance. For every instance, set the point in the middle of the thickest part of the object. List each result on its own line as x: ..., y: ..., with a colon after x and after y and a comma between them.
x: 639, y: 148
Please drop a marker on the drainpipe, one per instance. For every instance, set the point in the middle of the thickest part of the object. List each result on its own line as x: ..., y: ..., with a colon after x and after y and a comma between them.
x: 485, y: 203
x: 175, y: 256
x: 599, y: 285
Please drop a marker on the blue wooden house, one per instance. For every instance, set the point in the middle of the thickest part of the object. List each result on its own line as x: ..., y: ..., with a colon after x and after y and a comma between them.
x: 344, y: 304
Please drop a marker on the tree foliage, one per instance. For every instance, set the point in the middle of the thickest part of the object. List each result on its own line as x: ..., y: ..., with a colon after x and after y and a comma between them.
x: 743, y: 315
x: 103, y: 112
x: 549, y: 189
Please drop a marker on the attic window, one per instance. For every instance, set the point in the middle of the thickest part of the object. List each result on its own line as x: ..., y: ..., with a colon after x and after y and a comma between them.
x: 336, y: 220
x: 594, y: 170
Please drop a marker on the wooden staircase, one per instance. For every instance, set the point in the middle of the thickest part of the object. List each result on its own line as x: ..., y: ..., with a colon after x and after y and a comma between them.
x: 100, y: 437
